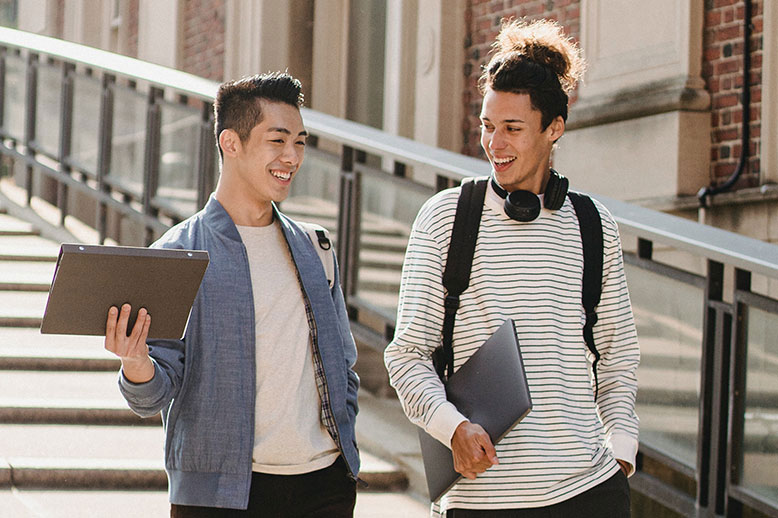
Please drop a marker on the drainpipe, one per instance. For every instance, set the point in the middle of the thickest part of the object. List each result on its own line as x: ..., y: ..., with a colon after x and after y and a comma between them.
x: 745, y: 99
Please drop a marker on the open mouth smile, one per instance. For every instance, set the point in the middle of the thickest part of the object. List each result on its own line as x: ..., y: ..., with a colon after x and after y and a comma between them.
x: 282, y: 175
x: 501, y: 164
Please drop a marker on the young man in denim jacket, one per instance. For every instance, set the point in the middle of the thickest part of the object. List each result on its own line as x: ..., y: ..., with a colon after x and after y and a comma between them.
x: 259, y: 398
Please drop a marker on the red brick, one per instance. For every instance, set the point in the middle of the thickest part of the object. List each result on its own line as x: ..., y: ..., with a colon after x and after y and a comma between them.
x: 726, y: 67
x: 712, y: 18
x: 724, y: 135
x: 731, y: 32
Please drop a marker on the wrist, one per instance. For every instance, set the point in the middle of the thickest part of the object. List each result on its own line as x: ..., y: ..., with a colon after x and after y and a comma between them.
x: 138, y: 370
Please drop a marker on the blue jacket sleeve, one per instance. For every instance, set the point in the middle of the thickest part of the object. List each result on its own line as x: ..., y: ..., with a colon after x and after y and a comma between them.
x: 148, y: 399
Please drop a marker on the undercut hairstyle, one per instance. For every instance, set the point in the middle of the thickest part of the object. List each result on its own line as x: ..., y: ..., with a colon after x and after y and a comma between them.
x: 238, y: 103
x: 538, y: 59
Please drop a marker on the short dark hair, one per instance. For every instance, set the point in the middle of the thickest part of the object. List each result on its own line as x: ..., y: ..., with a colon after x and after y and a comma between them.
x: 536, y: 59
x: 238, y: 103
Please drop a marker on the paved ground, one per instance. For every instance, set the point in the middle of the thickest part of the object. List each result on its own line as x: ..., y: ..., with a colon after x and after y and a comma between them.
x: 28, y: 503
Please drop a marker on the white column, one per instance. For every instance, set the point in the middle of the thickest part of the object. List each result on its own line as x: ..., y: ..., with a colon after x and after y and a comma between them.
x: 439, y: 77
x: 83, y: 21
x: 35, y: 16
x: 158, y: 32
x: 330, y: 57
x: 400, y: 67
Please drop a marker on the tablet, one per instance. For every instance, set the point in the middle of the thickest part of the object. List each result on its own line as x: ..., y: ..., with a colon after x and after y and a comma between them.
x: 490, y: 389
x: 89, y: 279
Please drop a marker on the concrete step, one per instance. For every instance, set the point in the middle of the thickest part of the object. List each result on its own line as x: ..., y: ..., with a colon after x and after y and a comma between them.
x: 37, y: 503
x: 115, y: 457
x: 379, y: 279
x: 28, y: 349
x: 28, y: 248
x: 382, y: 243
x: 381, y: 259
x: 26, y: 276
x: 83, y: 456
x: 10, y: 226
x: 28, y: 397
x: 22, y: 309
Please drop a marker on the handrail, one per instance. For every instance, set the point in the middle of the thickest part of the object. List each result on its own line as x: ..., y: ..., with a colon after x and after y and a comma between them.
x: 689, y: 236
x: 710, y: 242
x: 113, y: 63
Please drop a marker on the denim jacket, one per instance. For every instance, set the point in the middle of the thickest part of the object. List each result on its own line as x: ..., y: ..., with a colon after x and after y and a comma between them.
x: 205, y: 384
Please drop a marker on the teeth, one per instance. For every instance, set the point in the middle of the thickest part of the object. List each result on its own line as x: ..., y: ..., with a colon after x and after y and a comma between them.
x: 280, y: 175
x: 503, y: 160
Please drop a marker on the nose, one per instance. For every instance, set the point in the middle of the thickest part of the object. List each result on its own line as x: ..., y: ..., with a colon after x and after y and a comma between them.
x: 496, y: 140
x: 291, y: 155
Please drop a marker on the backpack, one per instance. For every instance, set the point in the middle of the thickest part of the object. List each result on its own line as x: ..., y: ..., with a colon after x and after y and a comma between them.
x: 456, y: 276
x: 320, y: 238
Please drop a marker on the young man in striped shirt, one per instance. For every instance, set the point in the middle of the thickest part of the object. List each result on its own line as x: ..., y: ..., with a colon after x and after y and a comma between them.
x: 572, y: 454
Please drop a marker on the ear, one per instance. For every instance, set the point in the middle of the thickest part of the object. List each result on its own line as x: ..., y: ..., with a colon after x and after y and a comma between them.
x: 556, y: 129
x: 229, y: 142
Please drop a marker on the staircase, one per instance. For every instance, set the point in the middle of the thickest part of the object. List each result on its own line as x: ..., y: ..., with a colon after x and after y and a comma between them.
x: 69, y: 446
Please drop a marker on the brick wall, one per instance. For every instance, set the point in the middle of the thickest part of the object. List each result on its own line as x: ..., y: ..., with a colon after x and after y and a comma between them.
x: 482, y: 19
x: 723, y: 72
x: 202, y: 38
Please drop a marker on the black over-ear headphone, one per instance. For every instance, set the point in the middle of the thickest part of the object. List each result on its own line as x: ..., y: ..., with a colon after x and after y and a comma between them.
x: 525, y: 205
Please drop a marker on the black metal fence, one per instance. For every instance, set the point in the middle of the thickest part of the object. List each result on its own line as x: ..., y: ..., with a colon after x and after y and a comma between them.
x: 128, y: 147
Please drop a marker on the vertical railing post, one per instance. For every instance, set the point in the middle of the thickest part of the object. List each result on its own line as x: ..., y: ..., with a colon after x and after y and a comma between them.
x: 151, y: 155
x: 737, y: 382
x: 104, y: 148
x: 65, y: 136
x: 30, y: 113
x: 205, y: 156
x: 714, y: 400
x: 348, y: 222
x: 3, y: 53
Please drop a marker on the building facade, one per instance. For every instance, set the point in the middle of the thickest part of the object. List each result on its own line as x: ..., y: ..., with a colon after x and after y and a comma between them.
x: 657, y: 119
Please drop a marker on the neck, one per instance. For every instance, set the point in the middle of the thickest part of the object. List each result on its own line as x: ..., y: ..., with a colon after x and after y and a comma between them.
x: 242, y: 211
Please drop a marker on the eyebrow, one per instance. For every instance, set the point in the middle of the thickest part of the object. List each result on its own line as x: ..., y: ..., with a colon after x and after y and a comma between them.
x: 505, y: 121
x: 286, y: 132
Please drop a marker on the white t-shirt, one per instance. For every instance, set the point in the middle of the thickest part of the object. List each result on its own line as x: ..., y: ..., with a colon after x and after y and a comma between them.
x: 289, y: 435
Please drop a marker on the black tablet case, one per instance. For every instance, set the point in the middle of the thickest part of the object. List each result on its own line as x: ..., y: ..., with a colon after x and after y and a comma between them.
x: 490, y: 389
x: 89, y: 279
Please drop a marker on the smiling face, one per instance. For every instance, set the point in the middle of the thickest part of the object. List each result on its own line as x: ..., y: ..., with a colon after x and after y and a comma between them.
x: 514, y: 141
x: 260, y: 170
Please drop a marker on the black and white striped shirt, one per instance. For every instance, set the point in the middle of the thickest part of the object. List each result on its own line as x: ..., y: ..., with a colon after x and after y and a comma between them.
x: 532, y: 273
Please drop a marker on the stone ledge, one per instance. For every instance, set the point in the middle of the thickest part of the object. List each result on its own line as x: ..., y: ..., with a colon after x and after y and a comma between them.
x: 635, y: 102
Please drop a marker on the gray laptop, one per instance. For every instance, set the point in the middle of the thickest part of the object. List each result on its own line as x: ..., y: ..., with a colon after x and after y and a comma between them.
x: 489, y: 389
x: 89, y: 279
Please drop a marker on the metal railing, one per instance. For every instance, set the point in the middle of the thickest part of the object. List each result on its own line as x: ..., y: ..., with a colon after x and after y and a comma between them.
x: 126, y: 145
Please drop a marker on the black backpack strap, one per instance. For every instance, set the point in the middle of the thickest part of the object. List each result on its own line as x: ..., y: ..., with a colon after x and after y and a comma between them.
x: 456, y: 276
x: 591, y: 239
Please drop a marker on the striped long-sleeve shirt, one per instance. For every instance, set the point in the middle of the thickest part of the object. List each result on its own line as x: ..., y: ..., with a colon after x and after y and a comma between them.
x: 530, y: 272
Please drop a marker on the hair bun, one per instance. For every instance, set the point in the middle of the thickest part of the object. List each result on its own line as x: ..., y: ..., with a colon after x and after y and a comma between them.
x: 542, y: 42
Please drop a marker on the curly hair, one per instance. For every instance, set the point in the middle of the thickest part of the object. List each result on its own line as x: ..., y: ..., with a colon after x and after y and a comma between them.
x: 538, y: 59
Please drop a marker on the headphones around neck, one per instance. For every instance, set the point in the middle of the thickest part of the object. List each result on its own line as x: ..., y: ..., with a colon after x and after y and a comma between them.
x: 525, y: 205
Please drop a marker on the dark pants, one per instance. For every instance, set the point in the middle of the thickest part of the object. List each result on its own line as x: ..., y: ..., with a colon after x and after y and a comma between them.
x: 607, y: 500
x: 326, y: 493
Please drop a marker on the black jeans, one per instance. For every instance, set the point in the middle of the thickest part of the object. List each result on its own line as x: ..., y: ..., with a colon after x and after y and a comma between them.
x: 607, y: 500
x: 325, y: 493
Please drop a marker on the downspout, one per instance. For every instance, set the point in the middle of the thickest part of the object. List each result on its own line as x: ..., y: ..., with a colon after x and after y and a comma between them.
x: 745, y: 100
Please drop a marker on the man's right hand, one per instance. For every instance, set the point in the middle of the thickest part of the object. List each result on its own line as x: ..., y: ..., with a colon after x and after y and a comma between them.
x: 473, y: 450
x: 133, y: 351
